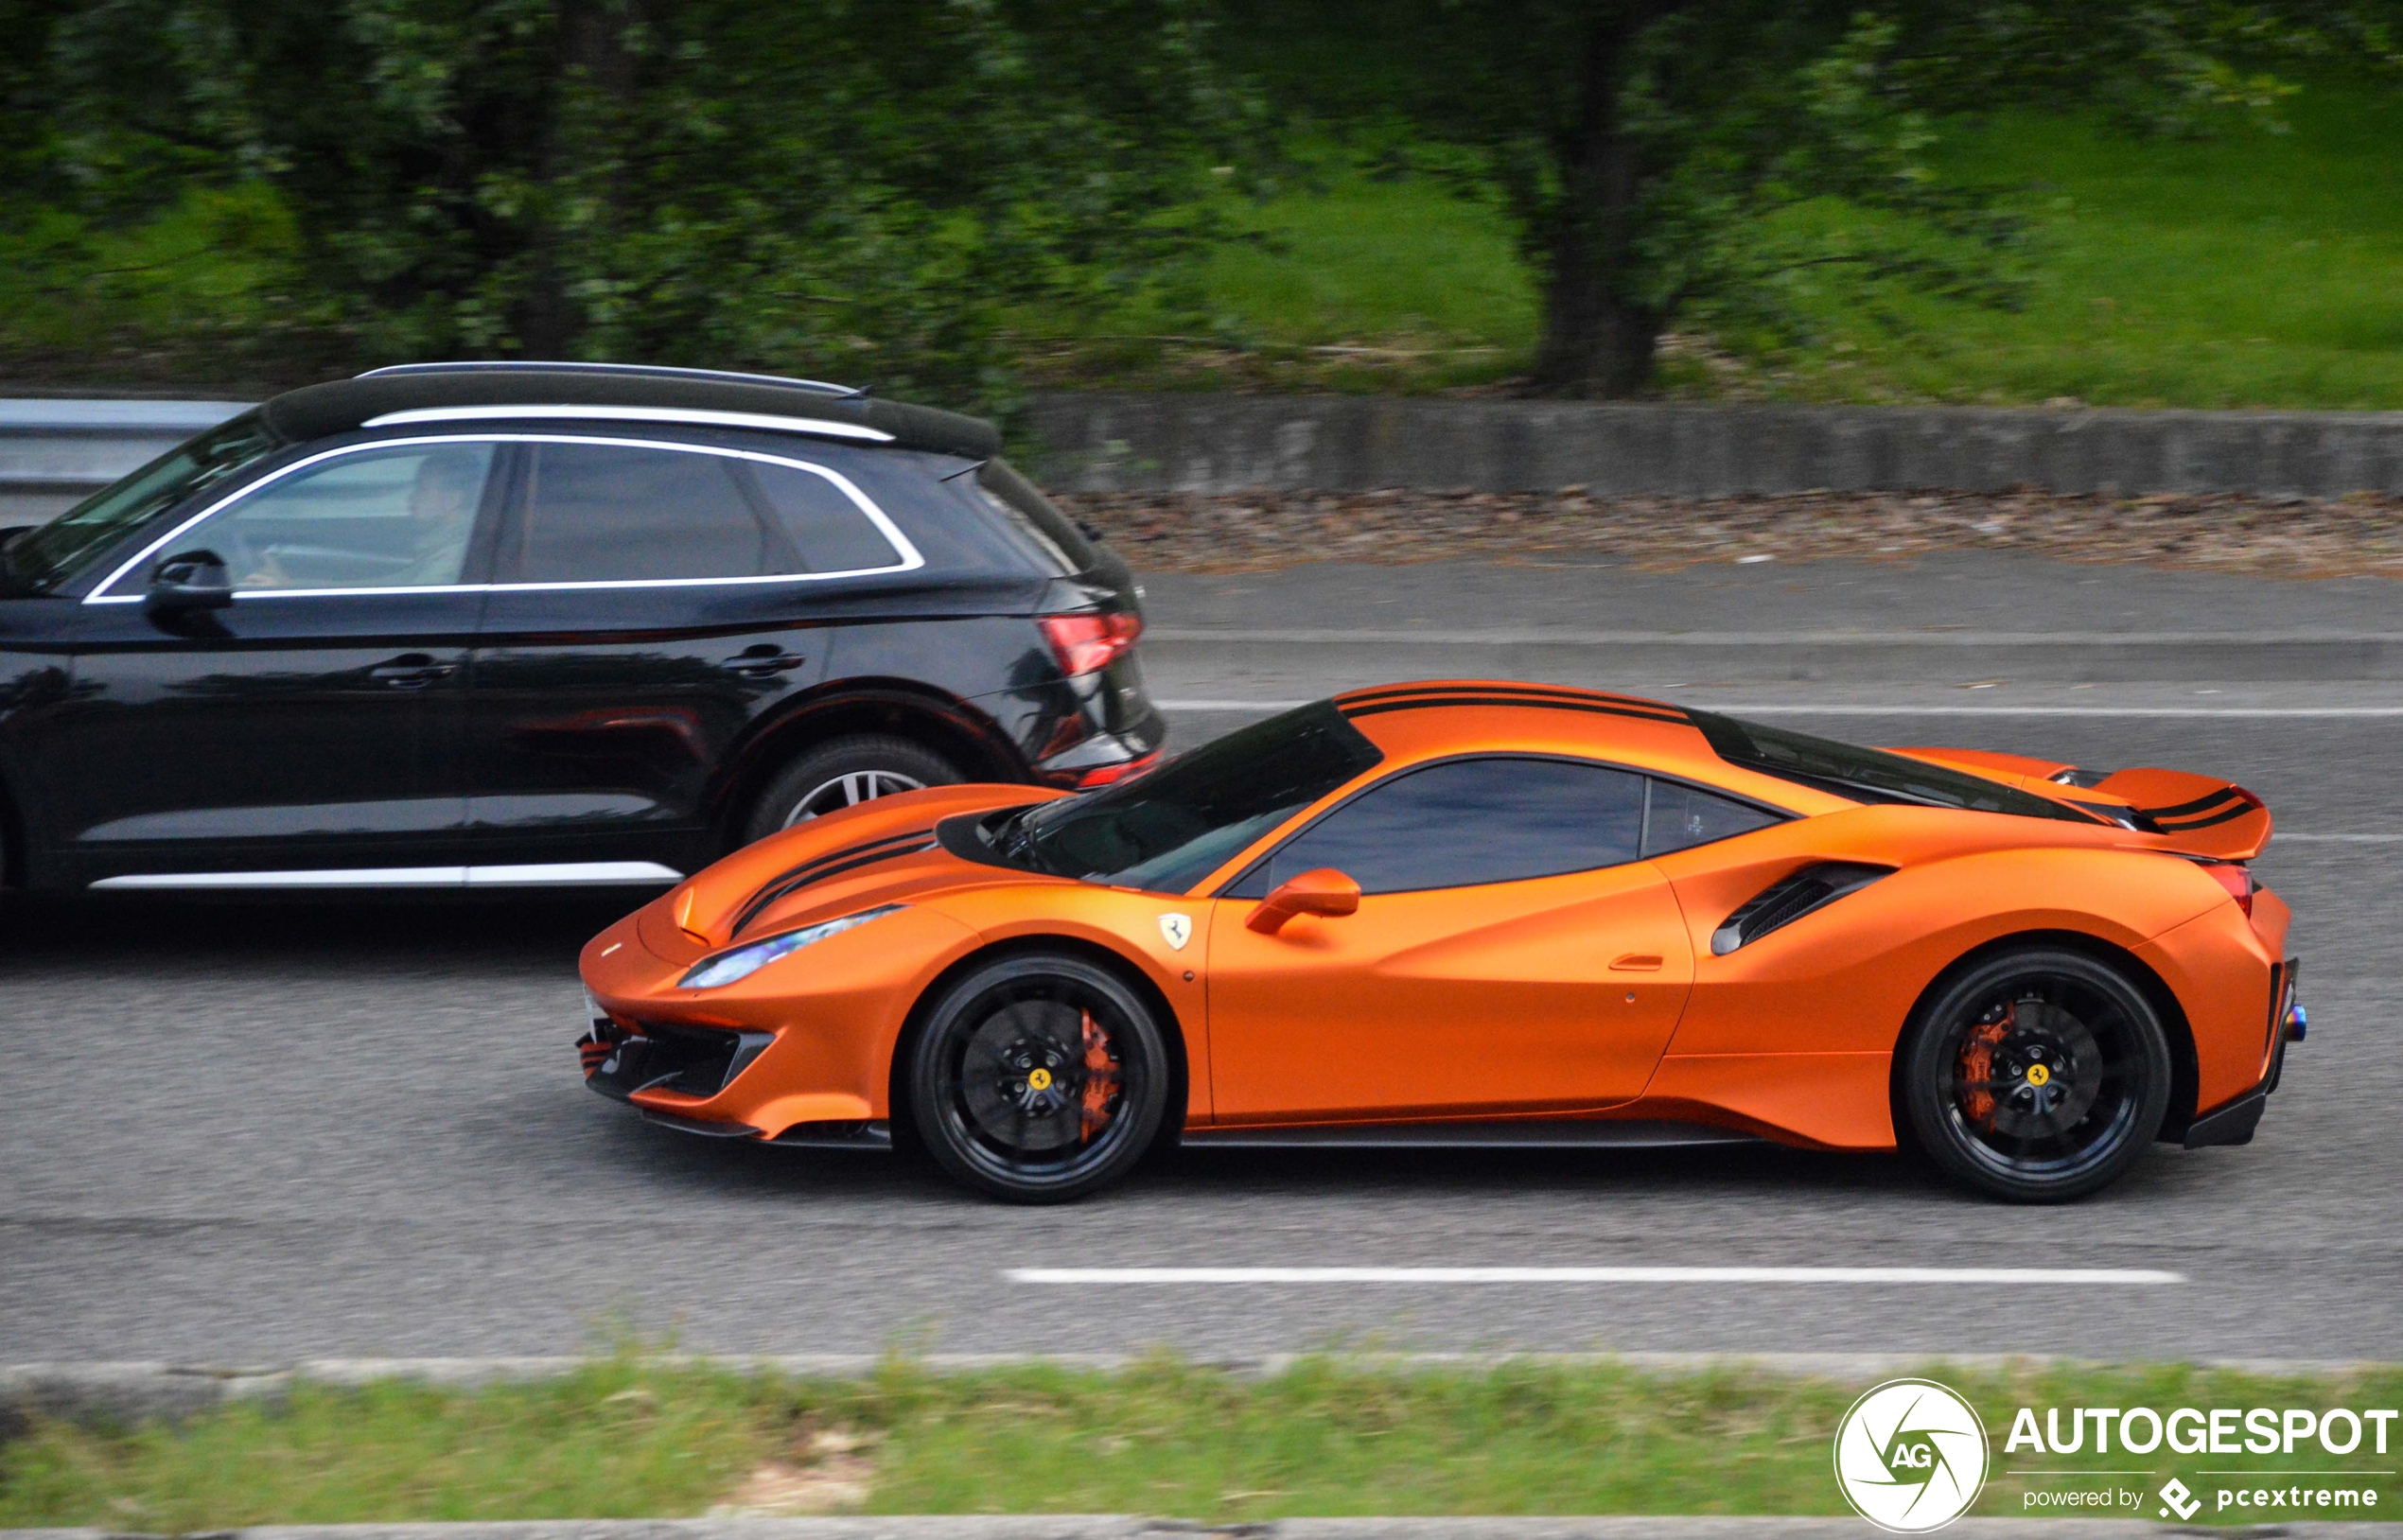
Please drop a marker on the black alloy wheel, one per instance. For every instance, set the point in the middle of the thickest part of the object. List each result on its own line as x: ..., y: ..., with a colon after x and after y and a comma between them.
x: 845, y: 773
x: 2038, y: 1076
x: 1039, y: 1077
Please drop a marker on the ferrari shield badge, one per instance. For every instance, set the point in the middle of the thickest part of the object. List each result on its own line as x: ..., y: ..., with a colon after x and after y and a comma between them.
x: 1176, y: 930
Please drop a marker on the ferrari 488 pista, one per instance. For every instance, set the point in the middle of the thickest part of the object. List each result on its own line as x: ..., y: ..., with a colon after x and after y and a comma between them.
x: 1471, y: 913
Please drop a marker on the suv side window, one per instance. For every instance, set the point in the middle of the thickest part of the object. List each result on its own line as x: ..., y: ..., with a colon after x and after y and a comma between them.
x: 1467, y: 822
x: 399, y: 517
x: 819, y: 519
x: 1682, y: 816
x: 601, y: 513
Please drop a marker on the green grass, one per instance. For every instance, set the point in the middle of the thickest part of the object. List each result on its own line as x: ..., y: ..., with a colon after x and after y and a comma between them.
x: 624, y: 1439
x: 2252, y: 268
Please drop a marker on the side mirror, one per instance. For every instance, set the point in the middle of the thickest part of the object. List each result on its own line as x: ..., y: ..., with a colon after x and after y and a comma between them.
x: 1325, y: 892
x: 187, y: 581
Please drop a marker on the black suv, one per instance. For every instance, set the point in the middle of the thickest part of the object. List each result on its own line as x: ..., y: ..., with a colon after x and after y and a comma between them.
x: 460, y: 625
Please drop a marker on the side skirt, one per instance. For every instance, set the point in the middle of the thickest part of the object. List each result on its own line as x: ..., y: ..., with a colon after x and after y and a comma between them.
x: 1594, y: 1133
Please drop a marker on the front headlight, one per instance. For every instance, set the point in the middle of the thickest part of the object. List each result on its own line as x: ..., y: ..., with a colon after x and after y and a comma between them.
x: 743, y: 961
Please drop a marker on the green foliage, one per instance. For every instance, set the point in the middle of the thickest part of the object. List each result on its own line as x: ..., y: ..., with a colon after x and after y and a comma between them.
x: 1649, y: 152
x: 849, y: 188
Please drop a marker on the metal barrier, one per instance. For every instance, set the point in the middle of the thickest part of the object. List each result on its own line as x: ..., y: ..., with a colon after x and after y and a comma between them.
x: 53, y: 453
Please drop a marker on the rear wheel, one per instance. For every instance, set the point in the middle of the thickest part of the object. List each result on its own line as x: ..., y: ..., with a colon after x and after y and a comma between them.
x: 841, y: 774
x: 2037, y: 1077
x: 1039, y: 1077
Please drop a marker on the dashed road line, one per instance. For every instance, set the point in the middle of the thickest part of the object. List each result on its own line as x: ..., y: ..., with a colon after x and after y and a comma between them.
x: 2122, y: 1277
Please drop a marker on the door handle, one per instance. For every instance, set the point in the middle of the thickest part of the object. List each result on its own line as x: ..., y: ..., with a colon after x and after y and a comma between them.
x: 1636, y: 962
x: 765, y: 661
x: 413, y: 670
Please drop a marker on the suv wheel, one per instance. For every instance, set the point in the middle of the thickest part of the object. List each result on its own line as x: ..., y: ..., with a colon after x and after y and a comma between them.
x: 843, y: 773
x: 2037, y: 1077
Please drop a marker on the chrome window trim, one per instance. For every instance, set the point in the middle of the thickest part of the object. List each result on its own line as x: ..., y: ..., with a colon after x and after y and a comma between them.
x: 691, y: 416
x: 547, y: 874
x: 910, y: 558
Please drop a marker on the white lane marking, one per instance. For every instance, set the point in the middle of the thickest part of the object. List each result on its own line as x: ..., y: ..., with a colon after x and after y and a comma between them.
x: 2121, y: 1276
x: 2282, y: 837
x: 1212, y: 705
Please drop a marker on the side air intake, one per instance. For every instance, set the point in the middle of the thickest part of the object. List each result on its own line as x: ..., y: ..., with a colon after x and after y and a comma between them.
x: 1789, y: 899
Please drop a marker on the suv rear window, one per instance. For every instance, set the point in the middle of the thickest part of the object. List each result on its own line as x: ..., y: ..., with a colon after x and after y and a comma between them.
x: 1023, y: 504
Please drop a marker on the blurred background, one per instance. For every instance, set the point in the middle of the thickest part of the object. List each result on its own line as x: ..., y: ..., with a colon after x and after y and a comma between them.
x: 2174, y: 203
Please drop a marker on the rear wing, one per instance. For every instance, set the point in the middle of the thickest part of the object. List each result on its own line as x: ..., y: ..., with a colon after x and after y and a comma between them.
x: 2195, y: 815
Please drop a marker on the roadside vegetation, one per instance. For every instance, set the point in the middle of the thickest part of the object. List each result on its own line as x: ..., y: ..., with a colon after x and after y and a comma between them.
x: 2114, y: 202
x: 628, y: 1439
x: 2254, y: 266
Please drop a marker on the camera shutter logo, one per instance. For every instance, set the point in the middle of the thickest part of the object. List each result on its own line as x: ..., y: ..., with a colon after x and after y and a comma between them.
x: 1910, y: 1456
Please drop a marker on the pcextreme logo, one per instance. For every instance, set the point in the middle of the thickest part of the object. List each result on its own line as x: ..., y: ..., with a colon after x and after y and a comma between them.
x: 1910, y: 1456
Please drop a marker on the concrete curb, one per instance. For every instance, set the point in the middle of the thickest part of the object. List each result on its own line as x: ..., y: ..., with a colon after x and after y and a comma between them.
x: 1109, y: 442
x: 1122, y: 1527
x: 135, y: 1391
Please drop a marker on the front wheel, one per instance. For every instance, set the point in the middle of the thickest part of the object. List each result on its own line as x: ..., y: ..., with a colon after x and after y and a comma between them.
x: 1039, y: 1077
x: 2037, y: 1077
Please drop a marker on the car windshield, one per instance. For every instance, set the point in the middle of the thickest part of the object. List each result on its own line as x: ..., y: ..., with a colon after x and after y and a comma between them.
x: 42, y: 558
x: 1170, y: 829
x: 1867, y: 774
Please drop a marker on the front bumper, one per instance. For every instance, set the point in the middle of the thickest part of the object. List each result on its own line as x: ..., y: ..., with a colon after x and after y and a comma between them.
x: 2236, y: 1122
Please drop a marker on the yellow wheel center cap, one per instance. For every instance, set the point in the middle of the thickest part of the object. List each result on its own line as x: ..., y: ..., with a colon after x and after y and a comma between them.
x: 1040, y: 1079
x: 2037, y: 1074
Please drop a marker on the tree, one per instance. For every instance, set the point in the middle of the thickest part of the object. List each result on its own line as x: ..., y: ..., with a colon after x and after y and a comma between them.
x: 859, y: 188
x: 1646, y: 149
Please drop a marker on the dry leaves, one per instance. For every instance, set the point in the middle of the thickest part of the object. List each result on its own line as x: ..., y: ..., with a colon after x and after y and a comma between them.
x: 2357, y: 536
x: 831, y: 1473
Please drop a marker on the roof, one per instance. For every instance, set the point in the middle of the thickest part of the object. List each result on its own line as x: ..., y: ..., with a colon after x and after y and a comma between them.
x: 319, y: 409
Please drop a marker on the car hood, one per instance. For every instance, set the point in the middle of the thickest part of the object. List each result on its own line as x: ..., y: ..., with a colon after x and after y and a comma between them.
x: 877, y: 853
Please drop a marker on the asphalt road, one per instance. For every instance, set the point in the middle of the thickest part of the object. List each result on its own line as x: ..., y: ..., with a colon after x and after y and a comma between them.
x: 245, y: 1133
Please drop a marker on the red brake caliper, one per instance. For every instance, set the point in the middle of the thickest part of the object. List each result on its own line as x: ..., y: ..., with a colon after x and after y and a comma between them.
x: 1978, y: 1064
x: 1101, y: 1077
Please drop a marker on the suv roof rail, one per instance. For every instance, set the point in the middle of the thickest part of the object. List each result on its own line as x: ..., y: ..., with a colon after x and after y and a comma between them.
x: 653, y: 371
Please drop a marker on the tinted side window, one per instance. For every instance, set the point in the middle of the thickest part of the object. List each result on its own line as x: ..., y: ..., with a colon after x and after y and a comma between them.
x: 378, y: 518
x: 1471, y: 821
x: 599, y: 513
x: 822, y: 524
x: 1682, y: 816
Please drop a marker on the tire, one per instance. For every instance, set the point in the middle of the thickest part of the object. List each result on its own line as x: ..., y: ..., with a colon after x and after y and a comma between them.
x: 977, y: 1073
x: 2037, y: 1077
x: 834, y: 774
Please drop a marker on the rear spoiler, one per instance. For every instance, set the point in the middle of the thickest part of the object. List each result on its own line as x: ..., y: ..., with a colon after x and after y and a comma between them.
x: 2194, y: 814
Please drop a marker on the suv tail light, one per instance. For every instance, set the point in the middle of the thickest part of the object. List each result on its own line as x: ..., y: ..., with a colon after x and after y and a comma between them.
x: 2238, y: 881
x: 1091, y: 642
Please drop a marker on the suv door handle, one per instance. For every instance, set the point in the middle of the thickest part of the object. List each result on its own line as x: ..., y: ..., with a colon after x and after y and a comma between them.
x: 411, y: 671
x: 765, y: 661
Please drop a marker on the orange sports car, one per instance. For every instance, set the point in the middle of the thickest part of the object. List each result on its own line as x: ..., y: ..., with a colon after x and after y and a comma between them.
x: 1468, y: 913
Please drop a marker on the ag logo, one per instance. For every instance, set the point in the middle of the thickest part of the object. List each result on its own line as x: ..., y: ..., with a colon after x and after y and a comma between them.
x: 1910, y: 1456
x: 1176, y: 930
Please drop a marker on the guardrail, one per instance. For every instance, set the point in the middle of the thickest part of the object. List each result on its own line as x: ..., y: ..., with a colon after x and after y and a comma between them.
x: 53, y: 453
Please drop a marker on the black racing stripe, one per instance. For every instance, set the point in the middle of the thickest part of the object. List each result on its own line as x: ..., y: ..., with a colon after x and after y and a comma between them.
x: 1534, y: 692
x: 1592, y: 707
x: 847, y: 859
x: 2198, y: 805
x: 2232, y: 814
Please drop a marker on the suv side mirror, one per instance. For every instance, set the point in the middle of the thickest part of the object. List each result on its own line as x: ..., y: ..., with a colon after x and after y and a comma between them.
x: 187, y: 581
x: 1325, y: 892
